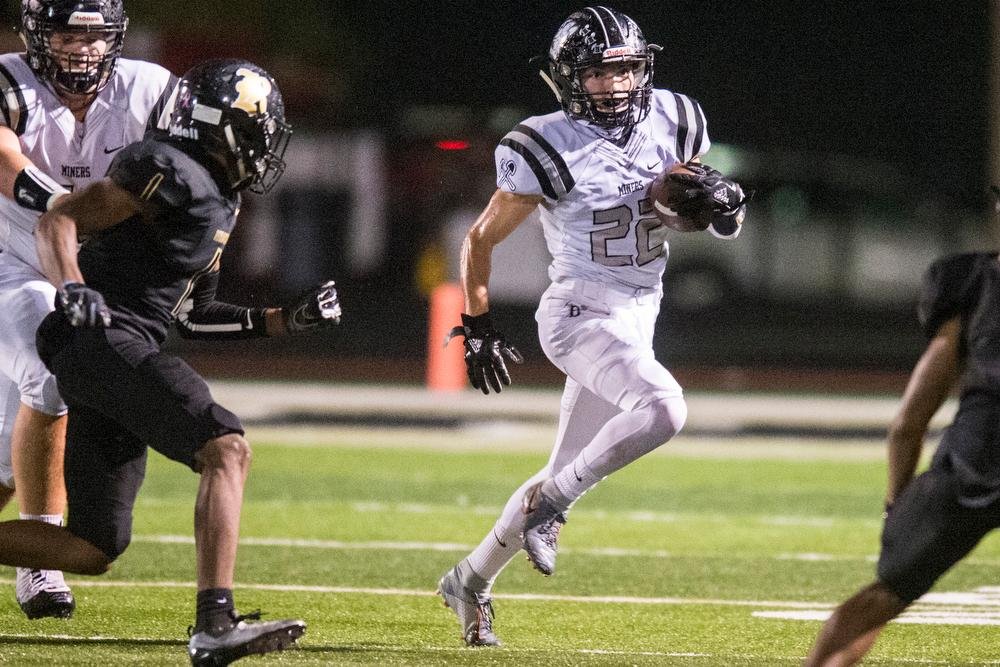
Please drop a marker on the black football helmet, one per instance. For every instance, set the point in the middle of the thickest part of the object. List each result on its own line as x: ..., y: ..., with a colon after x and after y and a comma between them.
x: 75, y: 74
x: 234, y: 109
x: 597, y: 36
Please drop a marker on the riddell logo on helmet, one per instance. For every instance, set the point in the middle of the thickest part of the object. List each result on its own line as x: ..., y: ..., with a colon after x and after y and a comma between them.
x: 619, y: 51
x: 86, y: 18
x: 183, y: 132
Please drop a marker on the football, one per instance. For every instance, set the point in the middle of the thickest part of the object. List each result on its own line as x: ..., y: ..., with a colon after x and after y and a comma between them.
x: 665, y: 192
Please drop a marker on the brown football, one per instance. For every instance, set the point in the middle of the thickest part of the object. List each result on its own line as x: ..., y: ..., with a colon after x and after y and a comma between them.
x: 664, y: 191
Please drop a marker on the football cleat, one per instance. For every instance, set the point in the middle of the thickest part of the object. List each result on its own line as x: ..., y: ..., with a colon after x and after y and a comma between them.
x: 242, y: 639
x: 542, y: 524
x: 43, y: 594
x: 474, y: 610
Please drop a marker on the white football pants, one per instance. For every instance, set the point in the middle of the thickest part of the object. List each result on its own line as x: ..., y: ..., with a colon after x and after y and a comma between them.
x: 618, y: 403
x: 26, y: 297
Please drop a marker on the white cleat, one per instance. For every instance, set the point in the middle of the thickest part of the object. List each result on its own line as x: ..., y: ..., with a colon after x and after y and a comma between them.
x: 542, y: 524
x: 474, y: 610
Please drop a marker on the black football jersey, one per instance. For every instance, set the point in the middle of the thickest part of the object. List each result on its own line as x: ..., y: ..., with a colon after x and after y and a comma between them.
x: 149, y: 265
x: 967, y: 285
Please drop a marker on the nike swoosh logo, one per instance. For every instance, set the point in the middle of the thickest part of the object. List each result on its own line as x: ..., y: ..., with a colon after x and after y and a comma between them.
x: 653, y: 166
x: 109, y: 151
x: 499, y: 541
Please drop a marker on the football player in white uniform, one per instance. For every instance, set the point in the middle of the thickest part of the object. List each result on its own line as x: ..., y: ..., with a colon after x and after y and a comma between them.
x: 67, y: 105
x: 587, y: 169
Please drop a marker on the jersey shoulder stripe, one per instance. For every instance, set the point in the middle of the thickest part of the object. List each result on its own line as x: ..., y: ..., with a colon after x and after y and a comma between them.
x: 690, y: 127
x: 549, y: 167
x: 535, y: 165
x: 554, y: 159
x: 163, y: 104
x: 12, y: 103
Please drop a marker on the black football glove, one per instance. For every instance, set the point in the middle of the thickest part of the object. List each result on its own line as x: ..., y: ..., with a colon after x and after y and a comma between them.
x: 317, y: 307
x: 485, y: 349
x: 709, y: 193
x: 83, y: 307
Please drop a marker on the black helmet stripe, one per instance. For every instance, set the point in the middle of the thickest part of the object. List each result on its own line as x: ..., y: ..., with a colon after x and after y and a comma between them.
x: 613, y: 33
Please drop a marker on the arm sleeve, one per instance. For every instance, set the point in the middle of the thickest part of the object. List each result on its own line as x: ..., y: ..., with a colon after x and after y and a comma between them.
x: 946, y: 291
x: 202, y: 317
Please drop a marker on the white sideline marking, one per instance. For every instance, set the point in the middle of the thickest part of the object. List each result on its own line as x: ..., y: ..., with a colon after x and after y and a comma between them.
x: 416, y: 592
x: 387, y: 545
x: 926, y: 611
x: 455, y: 547
x: 461, y: 506
x: 916, y: 618
x: 811, y: 557
x: 978, y: 607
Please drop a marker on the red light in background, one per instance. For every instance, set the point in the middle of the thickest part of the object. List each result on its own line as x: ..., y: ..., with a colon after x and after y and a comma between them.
x: 452, y: 144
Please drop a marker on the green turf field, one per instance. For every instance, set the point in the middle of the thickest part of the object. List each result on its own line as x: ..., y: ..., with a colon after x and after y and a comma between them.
x: 706, y: 554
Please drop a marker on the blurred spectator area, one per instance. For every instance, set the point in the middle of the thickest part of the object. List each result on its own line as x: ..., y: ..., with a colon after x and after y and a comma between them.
x: 397, y: 109
x: 825, y: 274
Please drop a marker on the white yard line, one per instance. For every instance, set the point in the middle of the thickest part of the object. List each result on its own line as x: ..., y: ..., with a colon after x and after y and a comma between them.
x: 416, y: 592
x: 457, y: 547
x: 925, y: 612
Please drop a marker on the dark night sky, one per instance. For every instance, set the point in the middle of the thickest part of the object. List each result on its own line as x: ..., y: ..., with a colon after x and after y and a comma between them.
x: 900, y: 82
x: 904, y: 82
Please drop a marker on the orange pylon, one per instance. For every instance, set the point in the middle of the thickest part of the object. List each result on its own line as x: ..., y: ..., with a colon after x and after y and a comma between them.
x: 445, y: 365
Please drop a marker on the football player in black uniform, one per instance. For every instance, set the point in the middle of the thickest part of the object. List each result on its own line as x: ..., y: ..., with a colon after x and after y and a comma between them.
x: 936, y: 519
x: 156, y: 227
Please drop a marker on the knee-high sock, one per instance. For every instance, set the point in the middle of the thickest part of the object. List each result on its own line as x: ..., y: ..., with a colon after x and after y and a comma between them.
x: 623, y: 439
x: 503, y: 542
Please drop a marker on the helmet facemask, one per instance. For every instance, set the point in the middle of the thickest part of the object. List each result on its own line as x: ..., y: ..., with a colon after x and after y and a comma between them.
x: 47, y: 24
x: 258, y: 146
x: 619, y: 109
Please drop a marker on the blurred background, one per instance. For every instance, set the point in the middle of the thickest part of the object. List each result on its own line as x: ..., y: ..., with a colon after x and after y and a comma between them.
x: 865, y: 129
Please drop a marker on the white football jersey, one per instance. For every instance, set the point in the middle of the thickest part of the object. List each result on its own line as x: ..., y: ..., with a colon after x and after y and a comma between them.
x: 596, y: 214
x: 73, y: 154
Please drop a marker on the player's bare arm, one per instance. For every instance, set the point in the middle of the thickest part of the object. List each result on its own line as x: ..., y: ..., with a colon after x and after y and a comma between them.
x: 485, y: 347
x: 98, y: 207
x: 933, y: 377
x: 504, y: 213
x: 21, y: 180
x: 12, y: 161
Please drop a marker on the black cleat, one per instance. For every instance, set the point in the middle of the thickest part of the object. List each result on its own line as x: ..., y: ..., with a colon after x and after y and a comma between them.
x: 43, y: 594
x: 243, y: 639
x: 49, y: 604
